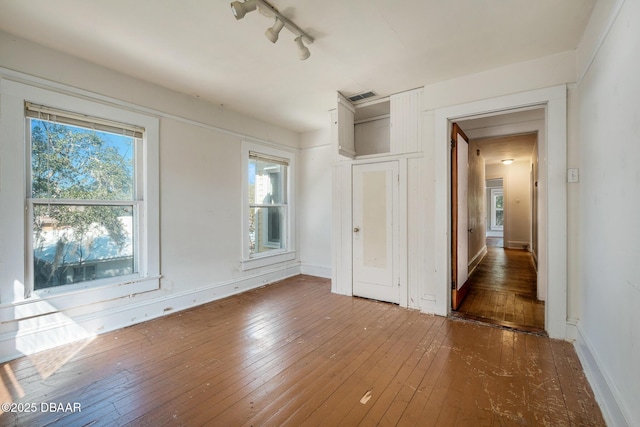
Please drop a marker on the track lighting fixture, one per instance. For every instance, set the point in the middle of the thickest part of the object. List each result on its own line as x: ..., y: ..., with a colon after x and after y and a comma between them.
x: 272, y: 33
x: 240, y: 9
x: 303, y: 51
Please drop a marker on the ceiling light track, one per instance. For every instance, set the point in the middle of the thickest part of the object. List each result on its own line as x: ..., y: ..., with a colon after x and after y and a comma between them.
x: 240, y: 9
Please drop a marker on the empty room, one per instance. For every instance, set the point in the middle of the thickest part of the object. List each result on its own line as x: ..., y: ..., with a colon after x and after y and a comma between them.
x: 277, y: 212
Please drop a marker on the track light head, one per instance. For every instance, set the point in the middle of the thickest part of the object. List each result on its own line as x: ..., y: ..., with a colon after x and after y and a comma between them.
x: 303, y: 51
x: 240, y: 9
x: 272, y: 33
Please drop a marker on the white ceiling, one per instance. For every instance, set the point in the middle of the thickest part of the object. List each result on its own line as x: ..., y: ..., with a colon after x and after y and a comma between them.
x: 516, y: 147
x: 198, y: 48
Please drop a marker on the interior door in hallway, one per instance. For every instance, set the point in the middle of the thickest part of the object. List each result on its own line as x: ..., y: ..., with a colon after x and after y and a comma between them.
x: 459, y: 215
x: 375, y: 238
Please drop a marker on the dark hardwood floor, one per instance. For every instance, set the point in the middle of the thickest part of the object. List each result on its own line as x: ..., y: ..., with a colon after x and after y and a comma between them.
x: 294, y: 354
x: 502, y: 291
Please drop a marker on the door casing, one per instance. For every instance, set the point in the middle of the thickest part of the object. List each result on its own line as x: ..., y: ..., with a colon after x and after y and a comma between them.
x: 552, y: 203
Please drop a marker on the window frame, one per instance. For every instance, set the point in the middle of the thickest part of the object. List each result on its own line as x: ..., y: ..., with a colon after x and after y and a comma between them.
x: 495, y: 192
x: 136, y: 202
x: 17, y: 222
x: 250, y: 261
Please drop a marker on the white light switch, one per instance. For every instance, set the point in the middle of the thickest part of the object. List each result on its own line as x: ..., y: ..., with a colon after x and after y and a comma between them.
x: 572, y: 175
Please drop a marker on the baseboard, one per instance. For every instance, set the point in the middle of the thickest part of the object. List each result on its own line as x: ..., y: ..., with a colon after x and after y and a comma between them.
x: 477, y: 259
x: 314, y: 270
x: 606, y: 393
x: 516, y: 244
x: 64, y: 330
x: 428, y: 305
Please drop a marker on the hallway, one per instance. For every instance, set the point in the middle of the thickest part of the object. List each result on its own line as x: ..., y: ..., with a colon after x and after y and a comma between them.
x: 502, y: 291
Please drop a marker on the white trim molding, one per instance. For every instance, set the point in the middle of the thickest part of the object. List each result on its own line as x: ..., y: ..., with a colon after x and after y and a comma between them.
x: 604, y: 388
x: 553, y: 197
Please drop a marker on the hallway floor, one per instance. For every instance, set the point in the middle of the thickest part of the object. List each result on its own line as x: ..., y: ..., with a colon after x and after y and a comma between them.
x: 503, y: 291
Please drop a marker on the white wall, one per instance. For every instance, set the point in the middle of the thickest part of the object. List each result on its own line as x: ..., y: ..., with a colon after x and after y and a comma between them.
x: 314, y: 202
x: 517, y: 197
x: 477, y: 206
x: 373, y: 137
x: 200, y: 200
x: 609, y: 134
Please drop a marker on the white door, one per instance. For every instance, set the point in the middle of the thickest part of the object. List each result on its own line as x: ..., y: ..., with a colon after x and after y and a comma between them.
x: 375, y: 238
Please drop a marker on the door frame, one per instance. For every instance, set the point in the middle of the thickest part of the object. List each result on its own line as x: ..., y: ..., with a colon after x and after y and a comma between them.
x: 552, y: 203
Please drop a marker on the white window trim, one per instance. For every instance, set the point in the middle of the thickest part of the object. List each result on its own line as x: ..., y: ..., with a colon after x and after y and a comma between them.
x: 250, y: 261
x: 16, y: 286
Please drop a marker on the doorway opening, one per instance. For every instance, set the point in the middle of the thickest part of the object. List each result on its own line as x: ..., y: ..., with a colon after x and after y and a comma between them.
x: 502, y: 286
x: 551, y: 189
x: 495, y: 212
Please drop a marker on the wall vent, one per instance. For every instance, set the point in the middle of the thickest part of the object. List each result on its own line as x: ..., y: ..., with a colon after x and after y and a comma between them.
x: 361, y: 96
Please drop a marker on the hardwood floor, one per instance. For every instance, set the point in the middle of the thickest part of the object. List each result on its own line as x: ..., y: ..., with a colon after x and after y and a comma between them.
x: 502, y: 291
x: 294, y: 354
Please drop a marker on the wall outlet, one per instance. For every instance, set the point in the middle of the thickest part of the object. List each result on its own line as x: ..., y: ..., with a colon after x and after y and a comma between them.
x: 572, y: 175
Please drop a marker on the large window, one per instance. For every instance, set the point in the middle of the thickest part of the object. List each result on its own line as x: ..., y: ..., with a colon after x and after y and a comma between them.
x: 79, y: 206
x: 83, y: 197
x: 268, y: 209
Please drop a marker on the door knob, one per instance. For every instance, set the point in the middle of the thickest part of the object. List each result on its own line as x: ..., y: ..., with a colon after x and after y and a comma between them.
x: 356, y: 229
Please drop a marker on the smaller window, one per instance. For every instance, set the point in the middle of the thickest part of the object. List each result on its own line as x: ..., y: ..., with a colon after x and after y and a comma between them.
x: 497, y: 209
x: 268, y: 209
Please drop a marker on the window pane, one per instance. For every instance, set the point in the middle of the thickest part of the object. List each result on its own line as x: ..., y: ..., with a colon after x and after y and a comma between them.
x: 74, y: 244
x: 267, y: 182
x: 499, y: 201
x: 266, y: 228
x: 71, y: 162
x: 499, y: 218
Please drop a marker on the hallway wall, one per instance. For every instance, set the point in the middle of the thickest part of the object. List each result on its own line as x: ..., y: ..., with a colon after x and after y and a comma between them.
x: 476, y: 205
x: 517, y: 200
x: 609, y: 113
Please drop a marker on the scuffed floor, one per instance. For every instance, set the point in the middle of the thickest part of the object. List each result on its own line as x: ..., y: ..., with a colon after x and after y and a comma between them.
x: 294, y: 354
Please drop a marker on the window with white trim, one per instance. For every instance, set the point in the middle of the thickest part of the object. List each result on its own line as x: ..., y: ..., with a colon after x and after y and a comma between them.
x: 84, y: 197
x: 497, y: 209
x: 267, y: 192
x: 268, y: 208
x: 58, y: 208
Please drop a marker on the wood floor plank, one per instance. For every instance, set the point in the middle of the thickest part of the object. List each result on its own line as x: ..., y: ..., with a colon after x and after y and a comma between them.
x: 341, y: 366
x: 502, y: 290
x: 381, y: 378
x: 306, y: 367
x: 401, y: 380
x: 293, y: 354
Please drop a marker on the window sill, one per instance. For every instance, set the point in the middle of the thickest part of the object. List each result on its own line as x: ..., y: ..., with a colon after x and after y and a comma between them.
x: 266, y: 260
x: 47, y: 301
